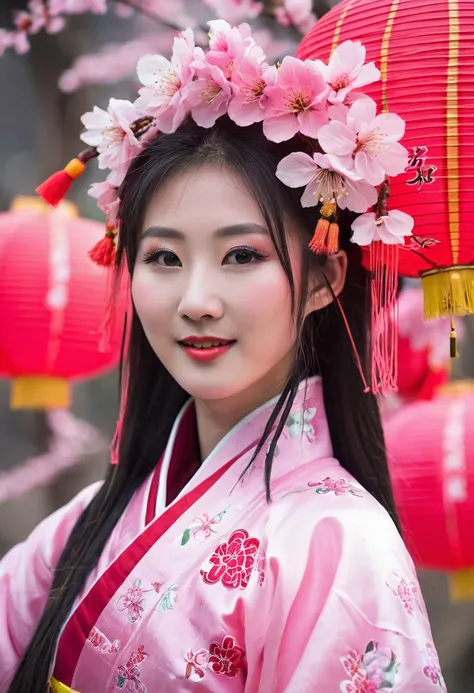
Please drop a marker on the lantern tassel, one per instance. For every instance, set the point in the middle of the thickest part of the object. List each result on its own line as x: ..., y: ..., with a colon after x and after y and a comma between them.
x: 453, y: 342
x: 55, y: 188
x: 461, y: 586
x: 104, y: 252
x: 448, y: 291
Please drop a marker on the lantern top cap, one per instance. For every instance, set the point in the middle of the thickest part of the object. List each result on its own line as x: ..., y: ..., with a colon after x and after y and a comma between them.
x: 28, y: 204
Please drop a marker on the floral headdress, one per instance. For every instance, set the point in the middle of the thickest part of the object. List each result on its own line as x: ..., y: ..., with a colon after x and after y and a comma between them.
x: 356, y: 150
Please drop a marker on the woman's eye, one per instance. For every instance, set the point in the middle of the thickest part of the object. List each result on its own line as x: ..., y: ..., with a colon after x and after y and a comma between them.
x: 243, y: 256
x: 164, y: 258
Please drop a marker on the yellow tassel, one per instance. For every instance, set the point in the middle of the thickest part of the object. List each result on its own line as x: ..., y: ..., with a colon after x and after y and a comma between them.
x: 328, y: 209
x: 453, y: 341
x: 39, y: 392
x: 448, y: 291
x: 318, y: 242
x: 461, y: 586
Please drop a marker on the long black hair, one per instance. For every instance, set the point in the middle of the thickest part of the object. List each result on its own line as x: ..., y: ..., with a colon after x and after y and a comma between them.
x: 154, y: 398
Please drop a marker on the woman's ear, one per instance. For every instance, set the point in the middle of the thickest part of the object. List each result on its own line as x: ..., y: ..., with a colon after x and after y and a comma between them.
x: 335, y: 271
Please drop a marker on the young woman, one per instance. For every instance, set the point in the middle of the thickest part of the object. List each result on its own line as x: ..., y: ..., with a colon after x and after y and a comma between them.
x: 247, y: 538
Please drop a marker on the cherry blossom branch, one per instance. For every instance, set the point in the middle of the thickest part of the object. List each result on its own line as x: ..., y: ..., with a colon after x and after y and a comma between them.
x: 72, y: 440
x: 113, y: 62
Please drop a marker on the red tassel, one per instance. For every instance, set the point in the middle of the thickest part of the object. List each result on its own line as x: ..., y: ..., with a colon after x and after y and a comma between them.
x: 56, y: 187
x: 104, y: 252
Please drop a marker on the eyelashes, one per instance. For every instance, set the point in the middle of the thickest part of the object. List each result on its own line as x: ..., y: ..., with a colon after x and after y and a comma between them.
x: 240, y: 255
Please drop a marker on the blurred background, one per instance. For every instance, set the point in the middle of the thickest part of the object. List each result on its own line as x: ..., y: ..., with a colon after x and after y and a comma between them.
x: 46, y: 456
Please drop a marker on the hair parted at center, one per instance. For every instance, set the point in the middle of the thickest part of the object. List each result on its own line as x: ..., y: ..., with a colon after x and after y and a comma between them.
x: 154, y: 398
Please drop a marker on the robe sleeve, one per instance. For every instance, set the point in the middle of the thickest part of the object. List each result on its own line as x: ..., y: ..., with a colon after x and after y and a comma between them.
x: 26, y: 574
x: 346, y: 612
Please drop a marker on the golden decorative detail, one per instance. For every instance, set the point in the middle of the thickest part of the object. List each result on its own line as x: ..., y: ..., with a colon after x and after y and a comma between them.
x: 384, y: 52
x: 452, y: 130
x: 339, y: 23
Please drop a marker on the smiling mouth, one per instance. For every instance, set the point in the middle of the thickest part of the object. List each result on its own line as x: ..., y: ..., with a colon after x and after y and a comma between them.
x: 207, y: 343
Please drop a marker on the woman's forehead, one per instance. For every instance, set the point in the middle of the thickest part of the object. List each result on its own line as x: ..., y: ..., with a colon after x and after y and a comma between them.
x: 209, y: 197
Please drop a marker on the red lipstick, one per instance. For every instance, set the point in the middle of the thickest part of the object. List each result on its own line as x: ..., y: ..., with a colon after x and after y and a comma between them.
x: 206, y: 348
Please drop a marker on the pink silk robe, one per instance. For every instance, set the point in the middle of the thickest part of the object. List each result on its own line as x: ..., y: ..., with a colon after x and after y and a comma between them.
x: 219, y: 591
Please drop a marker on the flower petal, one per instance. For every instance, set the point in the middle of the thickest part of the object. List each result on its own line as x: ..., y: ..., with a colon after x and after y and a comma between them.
x: 297, y: 169
x: 360, y: 196
x: 391, y: 125
x: 394, y: 160
x: 399, y: 224
x: 280, y: 128
x: 369, y: 168
x: 364, y: 229
x: 311, y: 121
x: 309, y: 197
x: 337, y: 138
x: 151, y: 68
x: 362, y: 114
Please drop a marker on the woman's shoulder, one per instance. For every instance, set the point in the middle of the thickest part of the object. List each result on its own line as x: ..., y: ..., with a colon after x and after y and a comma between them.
x: 330, y: 507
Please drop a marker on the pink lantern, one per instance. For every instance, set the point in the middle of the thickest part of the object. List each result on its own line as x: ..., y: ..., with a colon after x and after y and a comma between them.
x: 431, y: 456
x: 52, y: 303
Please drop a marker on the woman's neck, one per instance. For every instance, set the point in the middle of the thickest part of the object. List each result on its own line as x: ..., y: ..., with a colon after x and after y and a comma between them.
x: 216, y: 417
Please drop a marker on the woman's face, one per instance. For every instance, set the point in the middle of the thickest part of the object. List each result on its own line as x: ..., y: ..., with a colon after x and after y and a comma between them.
x: 206, y: 274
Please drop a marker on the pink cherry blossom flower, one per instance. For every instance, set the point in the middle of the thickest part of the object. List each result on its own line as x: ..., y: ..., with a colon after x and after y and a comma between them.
x: 346, y: 70
x: 297, y: 102
x: 324, y: 183
x: 234, y: 11
x: 107, y: 198
x: 296, y: 13
x: 109, y: 131
x: 41, y: 18
x: 250, y: 81
x: 57, y: 7
x: 166, y: 82
x: 228, y: 45
x: 209, y: 95
x: 370, y: 140
x: 390, y: 229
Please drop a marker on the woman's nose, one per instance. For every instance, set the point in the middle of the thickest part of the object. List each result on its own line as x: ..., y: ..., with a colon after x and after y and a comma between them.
x: 200, y: 299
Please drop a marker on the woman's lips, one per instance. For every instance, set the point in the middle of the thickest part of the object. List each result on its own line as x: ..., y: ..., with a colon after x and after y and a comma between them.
x: 206, y: 348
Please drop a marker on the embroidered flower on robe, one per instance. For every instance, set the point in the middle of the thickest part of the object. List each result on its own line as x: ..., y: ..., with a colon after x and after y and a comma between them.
x: 432, y: 669
x: 223, y: 659
x: 202, y: 527
x: 196, y: 664
x: 98, y: 640
x: 233, y: 561
x: 228, y: 658
x: 300, y: 422
x: 132, y: 602
x: 340, y: 487
x: 129, y: 673
x: 408, y: 593
x: 371, y: 672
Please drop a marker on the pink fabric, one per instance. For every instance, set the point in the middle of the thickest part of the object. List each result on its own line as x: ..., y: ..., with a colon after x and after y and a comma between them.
x: 315, y: 591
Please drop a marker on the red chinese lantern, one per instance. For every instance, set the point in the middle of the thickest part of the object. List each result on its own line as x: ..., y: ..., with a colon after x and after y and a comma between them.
x: 52, y: 303
x: 425, y: 52
x: 431, y: 457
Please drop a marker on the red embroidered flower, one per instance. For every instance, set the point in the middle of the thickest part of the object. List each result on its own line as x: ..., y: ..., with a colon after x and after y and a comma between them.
x: 233, y: 562
x: 227, y: 659
x: 95, y: 637
x: 340, y: 487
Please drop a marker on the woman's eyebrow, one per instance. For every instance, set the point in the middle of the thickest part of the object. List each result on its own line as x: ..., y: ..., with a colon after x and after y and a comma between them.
x: 222, y: 232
